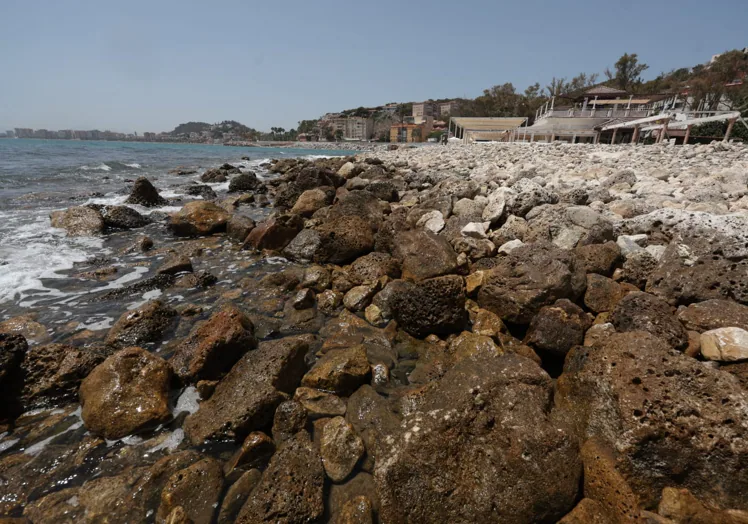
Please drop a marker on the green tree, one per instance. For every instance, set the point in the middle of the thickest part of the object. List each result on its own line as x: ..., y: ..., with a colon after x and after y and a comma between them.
x: 556, y: 87
x: 307, y: 126
x: 628, y: 72
x: 416, y: 134
x: 339, y: 135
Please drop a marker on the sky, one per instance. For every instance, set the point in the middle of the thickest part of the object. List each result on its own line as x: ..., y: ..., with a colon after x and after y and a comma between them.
x: 135, y: 65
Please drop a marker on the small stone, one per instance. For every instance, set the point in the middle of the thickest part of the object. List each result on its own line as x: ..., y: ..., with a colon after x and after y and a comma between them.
x: 510, y: 246
x: 319, y: 404
x: 631, y: 243
x: 290, y: 418
x: 474, y: 281
x: 360, y: 296
x: 176, y: 264
x: 328, y: 301
x: 432, y: 220
x: 237, y: 494
x: 598, y: 334
x: 196, y: 489
x: 341, y: 449
x: 144, y: 194
x: 375, y: 316
x: 725, y: 344
x: 475, y: 229
x: 487, y: 323
x: 316, y: 278
x: 380, y: 375
x: 303, y: 299
x: 255, y: 452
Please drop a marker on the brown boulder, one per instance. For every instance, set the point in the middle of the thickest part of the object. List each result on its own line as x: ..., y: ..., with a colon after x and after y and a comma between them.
x: 237, y: 495
x: 26, y: 326
x: 530, y: 277
x: 639, y: 311
x: 343, y: 239
x: 602, y: 293
x: 463, y: 454
x: 341, y: 449
x: 599, y: 258
x: 239, y: 227
x: 361, y: 204
x: 245, y: 400
x: 255, y: 452
x: 558, y: 328
x: 714, y: 314
x: 291, y: 489
x: 175, y: 264
x: 424, y: 254
x: 79, y: 221
x: 339, y: 371
x: 12, y: 349
x: 435, y: 305
x: 312, y: 200
x: 199, y: 218
x: 126, y: 393
x: 213, y: 346
x: 148, y: 323
x: 369, y: 268
x: 681, y: 506
x: 275, y: 233
x: 655, y: 405
x: 53, y: 373
x: 196, y: 489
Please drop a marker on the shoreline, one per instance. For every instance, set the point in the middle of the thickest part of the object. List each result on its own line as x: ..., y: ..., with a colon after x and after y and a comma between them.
x: 338, y: 324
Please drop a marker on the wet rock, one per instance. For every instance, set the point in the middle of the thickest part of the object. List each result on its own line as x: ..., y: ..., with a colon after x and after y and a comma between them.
x: 176, y: 264
x: 726, y: 344
x: 290, y: 418
x: 123, y: 217
x: 358, y: 297
x: 588, y: 511
x: 369, y: 268
x: 237, y: 495
x: 558, y: 328
x: 340, y: 448
x: 471, y: 345
x: 304, y: 246
x: 126, y: 393
x: 435, y: 305
x: 199, y: 280
x: 142, y: 245
x: 275, y: 233
x: 303, y: 299
x: 340, y: 371
x: 13, y: 347
x: 424, y: 254
x: 361, y: 204
x: 343, y: 239
x: 196, y: 489
x: 311, y: 201
x: 291, y: 489
x: 328, y: 301
x: 599, y: 258
x: 657, y: 406
x: 255, y: 452
x: 247, y: 181
x: 53, y: 373
x: 214, y: 176
x: 213, y: 346
x: 239, y: 227
x: 148, y: 323
x: 714, y: 314
x: 199, y: 218
x: 602, y: 293
x: 316, y: 278
x: 343, y: 496
x: 319, y: 404
x: 644, y: 312
x: 246, y: 398
x: 530, y: 277
x: 356, y: 511
x: 78, y: 221
x: 487, y: 415
x: 201, y: 190
x: 144, y: 194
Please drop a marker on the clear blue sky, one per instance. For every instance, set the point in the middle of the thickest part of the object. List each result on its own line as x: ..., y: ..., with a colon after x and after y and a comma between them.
x: 131, y: 65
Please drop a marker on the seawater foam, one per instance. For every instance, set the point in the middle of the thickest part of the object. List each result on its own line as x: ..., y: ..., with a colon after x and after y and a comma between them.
x: 100, y: 167
x: 33, y: 250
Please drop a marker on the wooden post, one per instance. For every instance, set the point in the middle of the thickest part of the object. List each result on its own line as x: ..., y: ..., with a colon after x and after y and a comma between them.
x: 553, y: 137
x: 597, y: 137
x: 635, y: 137
x: 615, y: 132
x: 730, y: 125
x: 688, y: 135
x: 663, y: 131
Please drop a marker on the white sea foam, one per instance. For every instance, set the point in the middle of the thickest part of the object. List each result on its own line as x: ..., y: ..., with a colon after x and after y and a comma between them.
x: 100, y: 167
x: 188, y: 401
x: 134, y: 165
x: 170, y: 443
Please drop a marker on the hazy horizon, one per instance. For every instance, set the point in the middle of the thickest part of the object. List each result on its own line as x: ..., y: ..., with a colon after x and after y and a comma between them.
x: 141, y: 66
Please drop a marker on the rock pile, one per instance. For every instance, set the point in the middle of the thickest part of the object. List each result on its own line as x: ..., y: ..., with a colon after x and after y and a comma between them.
x: 488, y: 333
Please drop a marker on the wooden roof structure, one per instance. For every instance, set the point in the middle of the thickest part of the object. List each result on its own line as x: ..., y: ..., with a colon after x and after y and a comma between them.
x: 484, y: 128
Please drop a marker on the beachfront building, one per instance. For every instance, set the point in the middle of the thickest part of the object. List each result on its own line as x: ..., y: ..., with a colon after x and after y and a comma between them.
x: 486, y: 129
x: 423, y: 110
x: 407, y: 133
x: 350, y: 128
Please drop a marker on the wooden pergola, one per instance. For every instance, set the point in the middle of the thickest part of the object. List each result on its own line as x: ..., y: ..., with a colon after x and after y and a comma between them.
x: 486, y: 128
x: 665, y: 121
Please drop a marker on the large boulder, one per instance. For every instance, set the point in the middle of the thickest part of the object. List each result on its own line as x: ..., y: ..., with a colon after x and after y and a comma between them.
x: 424, y: 254
x: 142, y: 325
x: 714, y: 314
x: 199, y: 218
x: 53, y: 373
x: 340, y: 371
x: 78, y: 221
x: 639, y: 311
x: 435, y: 305
x: 674, y: 421
x: 361, y: 204
x: 312, y: 200
x: 481, y: 447
x: 245, y: 400
x: 196, y: 489
x: 213, y: 346
x: 239, y: 227
x: 292, y: 486
x: 307, y: 178
x: 530, y: 277
x: 126, y: 393
x: 145, y: 194
x: 697, y: 268
x: 245, y: 182
x: 558, y: 328
x: 275, y: 232
x: 343, y: 239
x: 567, y: 226
x: 123, y: 217
x: 527, y: 195
x: 13, y: 347
x: 369, y: 268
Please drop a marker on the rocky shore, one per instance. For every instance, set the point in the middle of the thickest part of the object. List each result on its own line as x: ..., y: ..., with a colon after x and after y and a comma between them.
x: 489, y: 333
